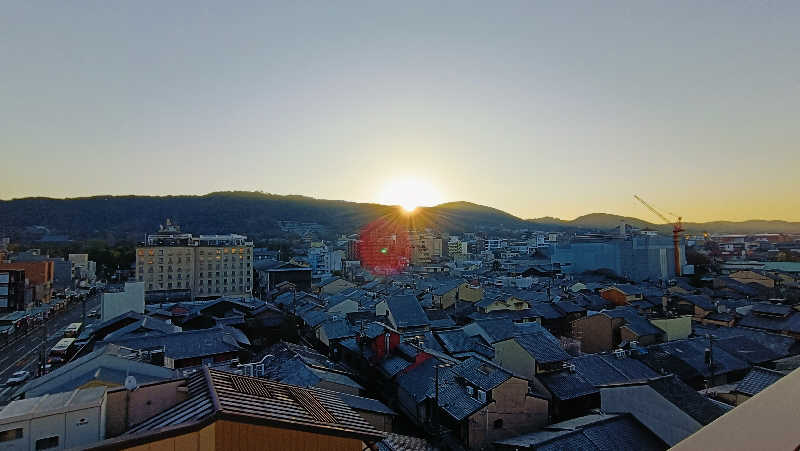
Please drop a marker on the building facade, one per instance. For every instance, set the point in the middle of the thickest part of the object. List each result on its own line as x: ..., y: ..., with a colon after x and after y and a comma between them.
x: 177, y: 266
x: 12, y: 290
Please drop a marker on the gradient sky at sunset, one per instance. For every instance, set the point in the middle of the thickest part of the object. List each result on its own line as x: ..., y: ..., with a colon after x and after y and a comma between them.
x: 536, y: 108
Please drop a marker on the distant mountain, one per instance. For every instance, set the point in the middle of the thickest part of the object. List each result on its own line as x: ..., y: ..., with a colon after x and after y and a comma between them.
x: 605, y: 221
x: 257, y: 214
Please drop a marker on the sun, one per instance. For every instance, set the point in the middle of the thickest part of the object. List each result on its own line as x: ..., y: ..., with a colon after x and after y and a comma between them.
x: 410, y: 193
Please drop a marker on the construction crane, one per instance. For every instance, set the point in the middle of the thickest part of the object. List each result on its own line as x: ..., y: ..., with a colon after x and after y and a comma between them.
x: 677, y: 228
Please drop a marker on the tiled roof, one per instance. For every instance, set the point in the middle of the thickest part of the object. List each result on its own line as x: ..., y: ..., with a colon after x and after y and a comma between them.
x: 481, y: 373
x: 758, y: 379
x: 687, y: 399
x: 282, y: 405
x: 772, y: 309
x: 592, y: 302
x: 365, y: 404
x: 446, y: 286
x: 453, y: 397
x: 546, y: 310
x: 186, y: 344
x: 589, y: 433
x: 406, y: 311
x: 195, y: 407
x: 698, y: 300
x: 567, y: 307
x: 691, y: 353
x: 393, y: 365
x: 457, y: 341
x: 790, y: 323
x: 543, y: 346
x: 338, y: 328
x: 497, y: 329
x: 566, y: 385
x: 779, y: 344
x: 633, y: 321
x: 397, y: 442
x: 746, y: 349
x: 603, y: 369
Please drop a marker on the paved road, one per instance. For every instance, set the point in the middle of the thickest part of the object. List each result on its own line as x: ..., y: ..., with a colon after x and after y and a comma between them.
x: 24, y: 353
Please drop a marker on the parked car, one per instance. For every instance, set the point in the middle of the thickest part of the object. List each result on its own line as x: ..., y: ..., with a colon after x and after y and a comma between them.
x: 94, y: 313
x: 18, y: 378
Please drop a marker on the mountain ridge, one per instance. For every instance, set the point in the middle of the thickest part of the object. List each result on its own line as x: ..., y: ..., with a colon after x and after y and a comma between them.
x: 257, y: 214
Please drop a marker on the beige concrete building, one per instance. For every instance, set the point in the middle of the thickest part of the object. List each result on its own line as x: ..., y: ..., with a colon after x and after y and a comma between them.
x: 179, y: 266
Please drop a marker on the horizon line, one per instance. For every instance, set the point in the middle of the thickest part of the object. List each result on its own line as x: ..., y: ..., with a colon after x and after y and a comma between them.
x: 386, y: 205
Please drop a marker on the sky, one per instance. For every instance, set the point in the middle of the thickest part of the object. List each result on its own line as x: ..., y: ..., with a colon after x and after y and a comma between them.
x: 536, y: 108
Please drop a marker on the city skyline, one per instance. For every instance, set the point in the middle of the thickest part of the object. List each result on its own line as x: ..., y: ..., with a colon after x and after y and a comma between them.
x: 534, y: 109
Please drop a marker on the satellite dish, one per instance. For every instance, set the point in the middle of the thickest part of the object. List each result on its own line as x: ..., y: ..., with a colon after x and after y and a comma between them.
x: 130, y: 383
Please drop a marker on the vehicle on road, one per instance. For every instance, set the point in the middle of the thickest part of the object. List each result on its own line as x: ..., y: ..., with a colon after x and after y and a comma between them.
x: 62, y: 351
x: 18, y: 378
x: 73, y: 330
x: 94, y: 313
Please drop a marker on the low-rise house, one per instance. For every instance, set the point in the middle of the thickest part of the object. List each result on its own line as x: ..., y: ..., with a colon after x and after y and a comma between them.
x: 591, y: 432
x: 224, y: 411
x: 621, y: 294
x: 333, y: 286
x: 373, y: 411
x: 191, y: 348
x: 605, y: 330
x: 305, y: 367
x: 406, y: 315
x: 615, y: 368
x: 665, y: 405
x: 477, y: 400
x: 570, y: 395
x: 750, y: 276
x: 445, y: 294
x: 775, y: 318
x: 688, y: 360
x: 530, y: 351
x: 753, y: 383
x: 458, y: 344
x: 697, y: 305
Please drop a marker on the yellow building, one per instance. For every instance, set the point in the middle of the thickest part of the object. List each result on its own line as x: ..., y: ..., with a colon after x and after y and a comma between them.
x: 179, y: 266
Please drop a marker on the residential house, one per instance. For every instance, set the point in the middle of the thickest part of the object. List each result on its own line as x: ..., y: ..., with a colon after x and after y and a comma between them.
x: 530, y: 351
x: 689, y: 360
x: 776, y: 318
x: 621, y: 294
x: 477, y: 400
x: 754, y: 383
x: 750, y: 276
x: 591, y: 432
x: 614, y: 368
x: 333, y: 285
x: 665, y: 405
x: 605, y: 330
x: 224, y: 411
x: 405, y: 314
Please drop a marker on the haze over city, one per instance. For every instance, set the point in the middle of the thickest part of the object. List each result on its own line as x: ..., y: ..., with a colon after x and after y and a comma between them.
x: 536, y: 109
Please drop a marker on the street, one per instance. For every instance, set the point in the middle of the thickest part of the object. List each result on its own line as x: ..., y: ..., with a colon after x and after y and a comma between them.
x: 24, y: 353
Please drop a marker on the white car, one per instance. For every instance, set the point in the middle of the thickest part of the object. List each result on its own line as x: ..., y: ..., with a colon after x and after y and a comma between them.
x: 18, y: 378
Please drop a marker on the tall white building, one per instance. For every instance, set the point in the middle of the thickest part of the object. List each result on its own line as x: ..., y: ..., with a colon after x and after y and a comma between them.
x: 175, y: 265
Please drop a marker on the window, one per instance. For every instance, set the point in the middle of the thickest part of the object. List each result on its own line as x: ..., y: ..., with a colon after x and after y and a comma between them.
x: 47, y: 443
x: 481, y: 395
x: 498, y: 423
x: 11, y: 434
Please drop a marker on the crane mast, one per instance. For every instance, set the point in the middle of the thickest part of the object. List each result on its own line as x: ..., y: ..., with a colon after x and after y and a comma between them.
x: 677, y: 228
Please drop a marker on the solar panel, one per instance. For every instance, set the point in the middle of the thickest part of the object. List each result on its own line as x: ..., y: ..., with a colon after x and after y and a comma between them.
x: 251, y: 387
x: 312, y: 405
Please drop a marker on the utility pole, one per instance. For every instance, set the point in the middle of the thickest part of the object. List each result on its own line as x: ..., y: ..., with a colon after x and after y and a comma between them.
x: 435, y: 413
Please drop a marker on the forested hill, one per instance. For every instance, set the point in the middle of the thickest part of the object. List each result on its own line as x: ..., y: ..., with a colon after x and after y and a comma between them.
x: 257, y: 214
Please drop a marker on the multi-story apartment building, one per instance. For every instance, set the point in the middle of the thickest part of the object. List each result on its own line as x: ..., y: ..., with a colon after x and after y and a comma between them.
x: 175, y: 265
x: 12, y: 290
x: 40, y: 278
